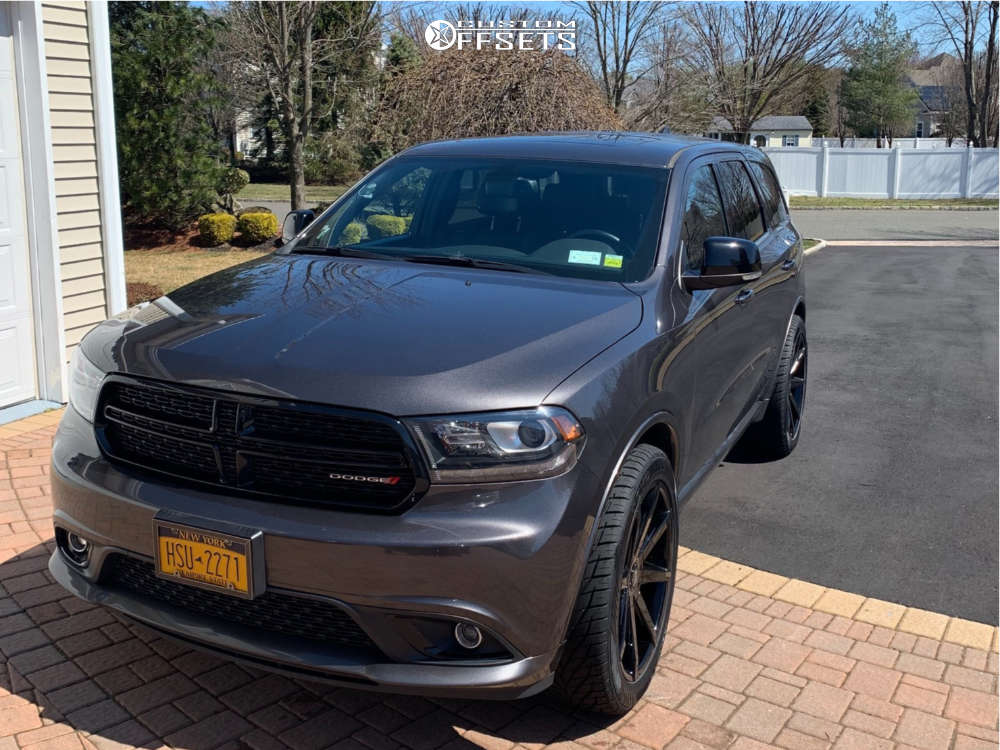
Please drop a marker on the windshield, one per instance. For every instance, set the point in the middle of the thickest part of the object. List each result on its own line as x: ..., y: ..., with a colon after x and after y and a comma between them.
x: 595, y: 221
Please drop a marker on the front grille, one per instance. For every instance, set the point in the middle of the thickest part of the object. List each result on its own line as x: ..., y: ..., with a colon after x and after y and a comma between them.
x: 283, y: 450
x: 277, y: 613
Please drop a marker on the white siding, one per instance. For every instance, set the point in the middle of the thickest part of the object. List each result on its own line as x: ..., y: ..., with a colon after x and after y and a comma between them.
x: 67, y: 53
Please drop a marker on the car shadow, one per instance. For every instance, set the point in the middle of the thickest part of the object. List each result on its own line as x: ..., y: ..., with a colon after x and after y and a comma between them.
x: 89, y: 669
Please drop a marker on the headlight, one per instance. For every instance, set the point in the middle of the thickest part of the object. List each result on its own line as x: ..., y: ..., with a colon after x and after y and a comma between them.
x: 499, y: 446
x: 84, y: 384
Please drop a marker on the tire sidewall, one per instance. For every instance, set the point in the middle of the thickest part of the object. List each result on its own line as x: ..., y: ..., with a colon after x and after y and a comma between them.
x: 657, y: 472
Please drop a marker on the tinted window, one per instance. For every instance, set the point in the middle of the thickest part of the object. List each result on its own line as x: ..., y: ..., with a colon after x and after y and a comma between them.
x: 770, y: 193
x: 703, y: 216
x: 742, y: 207
x: 566, y: 218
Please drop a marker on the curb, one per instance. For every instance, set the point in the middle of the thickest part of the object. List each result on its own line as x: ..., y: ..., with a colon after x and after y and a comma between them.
x: 893, y: 208
x: 921, y: 622
x: 820, y: 244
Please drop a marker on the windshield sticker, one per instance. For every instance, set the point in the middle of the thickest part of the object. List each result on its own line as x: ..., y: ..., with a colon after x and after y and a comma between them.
x: 613, y: 261
x: 589, y: 257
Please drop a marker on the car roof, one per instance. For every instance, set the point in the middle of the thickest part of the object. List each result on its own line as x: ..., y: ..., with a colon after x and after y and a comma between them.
x: 606, y: 147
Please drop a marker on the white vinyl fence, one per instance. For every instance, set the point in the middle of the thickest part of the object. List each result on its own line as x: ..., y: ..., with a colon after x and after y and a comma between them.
x: 888, y: 173
x: 854, y: 142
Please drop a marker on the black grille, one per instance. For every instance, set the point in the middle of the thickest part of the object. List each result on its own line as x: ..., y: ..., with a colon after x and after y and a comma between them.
x: 286, y: 451
x: 277, y: 613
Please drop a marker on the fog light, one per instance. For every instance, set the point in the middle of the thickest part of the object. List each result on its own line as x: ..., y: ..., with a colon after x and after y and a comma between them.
x: 77, y: 544
x: 468, y: 635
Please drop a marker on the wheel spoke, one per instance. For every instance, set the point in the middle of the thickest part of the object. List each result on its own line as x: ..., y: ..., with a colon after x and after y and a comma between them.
x: 800, y: 355
x: 794, y: 404
x: 647, y: 618
x: 654, y: 537
x: 642, y: 535
x: 624, y: 606
x: 796, y: 382
x: 635, y: 641
x: 653, y: 574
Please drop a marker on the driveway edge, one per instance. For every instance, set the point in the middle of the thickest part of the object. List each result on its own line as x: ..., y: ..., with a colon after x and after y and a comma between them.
x: 876, y: 612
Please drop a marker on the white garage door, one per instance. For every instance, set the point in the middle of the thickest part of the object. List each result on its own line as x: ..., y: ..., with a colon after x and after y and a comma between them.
x: 17, y: 351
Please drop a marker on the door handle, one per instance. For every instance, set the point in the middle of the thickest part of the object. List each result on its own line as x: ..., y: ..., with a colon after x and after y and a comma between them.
x: 788, y: 265
x: 743, y: 297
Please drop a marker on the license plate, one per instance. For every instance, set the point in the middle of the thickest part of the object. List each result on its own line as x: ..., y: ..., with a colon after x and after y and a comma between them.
x: 205, y: 558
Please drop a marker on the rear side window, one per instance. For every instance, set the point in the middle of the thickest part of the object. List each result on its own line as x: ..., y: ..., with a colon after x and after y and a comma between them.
x: 703, y: 216
x: 770, y: 193
x: 742, y: 206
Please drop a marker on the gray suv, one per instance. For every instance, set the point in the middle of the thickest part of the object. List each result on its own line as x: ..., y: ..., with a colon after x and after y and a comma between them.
x: 438, y: 442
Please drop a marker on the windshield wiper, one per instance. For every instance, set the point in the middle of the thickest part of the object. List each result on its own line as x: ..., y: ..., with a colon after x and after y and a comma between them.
x: 464, y: 260
x: 343, y: 251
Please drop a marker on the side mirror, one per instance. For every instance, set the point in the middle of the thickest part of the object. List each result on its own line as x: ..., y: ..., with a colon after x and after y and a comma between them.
x: 728, y: 261
x: 294, y: 223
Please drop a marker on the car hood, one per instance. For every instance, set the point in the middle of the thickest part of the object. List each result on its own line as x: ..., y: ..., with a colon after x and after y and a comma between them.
x: 389, y: 336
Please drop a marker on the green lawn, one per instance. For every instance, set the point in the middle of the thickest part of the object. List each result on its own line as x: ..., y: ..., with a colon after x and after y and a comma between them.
x: 269, y: 191
x: 808, y: 201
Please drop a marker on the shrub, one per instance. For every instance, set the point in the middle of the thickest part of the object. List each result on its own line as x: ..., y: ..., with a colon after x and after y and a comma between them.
x: 216, y: 229
x: 232, y: 181
x: 352, y: 233
x: 254, y: 210
x: 168, y: 161
x: 384, y: 225
x: 258, y: 227
x: 140, y: 291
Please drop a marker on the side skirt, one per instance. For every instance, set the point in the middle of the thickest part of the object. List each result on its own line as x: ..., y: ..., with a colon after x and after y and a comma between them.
x: 755, y: 414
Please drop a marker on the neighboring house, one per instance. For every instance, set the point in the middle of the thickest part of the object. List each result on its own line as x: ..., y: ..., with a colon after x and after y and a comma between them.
x: 771, y: 131
x: 938, y: 84
x: 61, y: 258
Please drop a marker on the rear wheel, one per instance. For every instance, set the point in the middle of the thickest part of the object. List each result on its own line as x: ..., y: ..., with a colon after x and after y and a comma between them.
x: 777, y: 434
x: 620, y: 618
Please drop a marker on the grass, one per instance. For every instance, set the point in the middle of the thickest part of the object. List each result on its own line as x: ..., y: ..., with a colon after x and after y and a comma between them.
x: 809, y: 201
x: 172, y: 267
x: 269, y: 191
x: 806, y: 244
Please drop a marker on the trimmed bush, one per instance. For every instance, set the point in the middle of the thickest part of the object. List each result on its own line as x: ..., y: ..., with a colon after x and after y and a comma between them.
x: 254, y: 210
x: 216, y: 229
x: 385, y: 225
x: 257, y: 228
x: 352, y: 233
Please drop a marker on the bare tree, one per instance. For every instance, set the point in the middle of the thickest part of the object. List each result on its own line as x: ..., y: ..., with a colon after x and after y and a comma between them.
x: 287, y: 44
x: 671, y: 94
x: 968, y: 26
x: 757, y: 54
x: 618, y: 32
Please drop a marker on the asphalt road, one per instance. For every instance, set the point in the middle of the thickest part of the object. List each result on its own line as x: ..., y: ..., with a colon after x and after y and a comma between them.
x: 896, y: 224
x: 892, y: 491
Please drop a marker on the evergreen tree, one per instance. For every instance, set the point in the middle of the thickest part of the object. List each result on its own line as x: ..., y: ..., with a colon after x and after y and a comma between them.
x: 817, y: 109
x: 402, y: 54
x: 168, y: 160
x: 874, y: 91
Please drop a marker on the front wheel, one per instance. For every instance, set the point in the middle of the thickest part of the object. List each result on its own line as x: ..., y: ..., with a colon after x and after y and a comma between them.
x: 618, y: 624
x: 777, y: 434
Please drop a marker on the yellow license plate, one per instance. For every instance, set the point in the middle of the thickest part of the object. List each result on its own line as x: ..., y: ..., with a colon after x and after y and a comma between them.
x: 204, y: 558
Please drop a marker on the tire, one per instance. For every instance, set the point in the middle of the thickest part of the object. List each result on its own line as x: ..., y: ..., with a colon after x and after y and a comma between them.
x: 777, y: 434
x: 597, y: 671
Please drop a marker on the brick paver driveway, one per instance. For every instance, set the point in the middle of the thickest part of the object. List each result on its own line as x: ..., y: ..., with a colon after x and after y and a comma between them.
x: 752, y: 660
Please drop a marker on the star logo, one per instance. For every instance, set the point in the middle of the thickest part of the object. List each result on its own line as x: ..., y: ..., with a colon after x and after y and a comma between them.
x: 440, y: 35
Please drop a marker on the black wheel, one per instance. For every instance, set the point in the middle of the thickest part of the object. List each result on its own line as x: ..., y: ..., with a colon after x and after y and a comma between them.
x: 777, y: 434
x: 621, y: 614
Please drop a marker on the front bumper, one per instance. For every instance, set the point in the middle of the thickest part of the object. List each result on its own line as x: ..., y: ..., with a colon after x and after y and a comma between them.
x: 507, y: 557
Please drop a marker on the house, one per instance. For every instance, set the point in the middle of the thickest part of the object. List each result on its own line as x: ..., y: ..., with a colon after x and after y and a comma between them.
x: 61, y: 257
x: 938, y: 82
x: 770, y: 131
